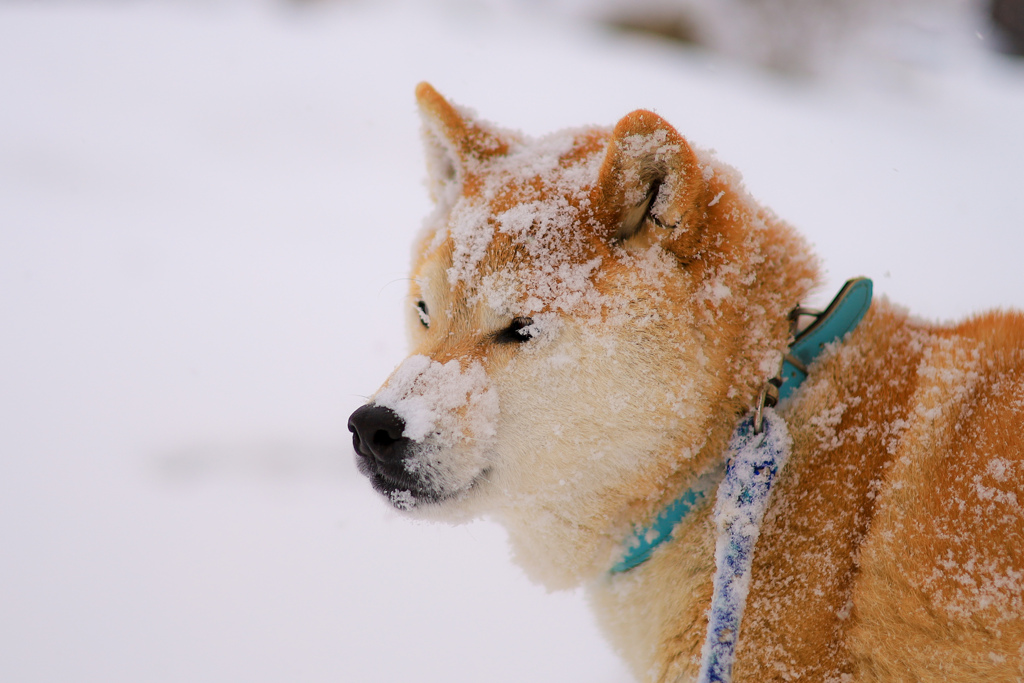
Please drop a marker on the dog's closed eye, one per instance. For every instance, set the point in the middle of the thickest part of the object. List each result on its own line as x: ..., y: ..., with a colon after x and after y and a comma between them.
x: 421, y: 308
x: 517, y: 331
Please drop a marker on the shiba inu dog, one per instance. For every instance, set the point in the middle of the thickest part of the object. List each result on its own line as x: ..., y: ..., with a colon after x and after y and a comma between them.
x: 591, y: 315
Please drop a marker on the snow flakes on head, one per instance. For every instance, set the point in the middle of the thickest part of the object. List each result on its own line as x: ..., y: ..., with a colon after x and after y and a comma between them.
x: 554, y: 268
x: 472, y: 231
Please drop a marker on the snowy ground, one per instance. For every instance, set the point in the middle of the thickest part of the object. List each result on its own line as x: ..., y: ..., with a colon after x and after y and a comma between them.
x: 204, y: 219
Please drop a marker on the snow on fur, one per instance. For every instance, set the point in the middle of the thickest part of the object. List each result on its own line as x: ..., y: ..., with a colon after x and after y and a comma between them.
x: 443, y: 406
x: 543, y: 223
x: 426, y: 394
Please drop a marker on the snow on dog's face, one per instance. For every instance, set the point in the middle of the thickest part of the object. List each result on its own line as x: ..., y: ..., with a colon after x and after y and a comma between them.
x: 441, y: 406
x: 573, y: 317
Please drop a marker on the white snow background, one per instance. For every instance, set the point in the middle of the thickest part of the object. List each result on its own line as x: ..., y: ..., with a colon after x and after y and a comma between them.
x: 205, y: 218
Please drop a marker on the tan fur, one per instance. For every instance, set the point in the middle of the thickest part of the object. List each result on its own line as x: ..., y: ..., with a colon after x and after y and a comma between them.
x: 892, y: 549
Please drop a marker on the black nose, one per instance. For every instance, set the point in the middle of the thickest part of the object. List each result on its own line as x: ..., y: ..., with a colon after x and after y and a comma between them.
x: 377, y: 433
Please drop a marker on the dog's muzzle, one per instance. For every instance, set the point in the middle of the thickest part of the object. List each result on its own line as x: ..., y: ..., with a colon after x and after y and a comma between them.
x: 382, y: 452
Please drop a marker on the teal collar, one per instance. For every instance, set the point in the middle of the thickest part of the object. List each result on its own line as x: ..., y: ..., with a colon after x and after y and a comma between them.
x: 644, y: 541
x: 839, y: 318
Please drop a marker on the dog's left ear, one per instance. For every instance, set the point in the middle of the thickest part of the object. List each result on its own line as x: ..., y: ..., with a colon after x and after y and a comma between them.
x: 650, y: 173
x: 456, y: 143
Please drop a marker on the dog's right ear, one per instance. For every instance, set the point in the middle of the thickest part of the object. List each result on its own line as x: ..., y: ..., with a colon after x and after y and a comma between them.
x: 650, y: 174
x: 456, y: 143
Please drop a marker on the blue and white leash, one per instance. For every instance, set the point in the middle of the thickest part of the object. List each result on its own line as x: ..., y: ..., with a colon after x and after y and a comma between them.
x: 758, y: 451
x: 756, y: 459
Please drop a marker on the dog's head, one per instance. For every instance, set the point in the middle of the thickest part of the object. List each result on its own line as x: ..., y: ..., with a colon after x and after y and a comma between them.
x: 584, y: 309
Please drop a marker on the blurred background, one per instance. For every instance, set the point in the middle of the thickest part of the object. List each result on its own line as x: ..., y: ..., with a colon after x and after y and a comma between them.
x: 205, y: 213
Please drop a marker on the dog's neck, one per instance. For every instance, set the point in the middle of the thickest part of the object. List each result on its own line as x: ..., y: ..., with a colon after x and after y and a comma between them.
x: 755, y: 457
x: 839, y: 318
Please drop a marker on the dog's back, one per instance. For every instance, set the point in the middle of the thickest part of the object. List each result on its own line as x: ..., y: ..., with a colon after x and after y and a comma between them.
x: 894, y: 547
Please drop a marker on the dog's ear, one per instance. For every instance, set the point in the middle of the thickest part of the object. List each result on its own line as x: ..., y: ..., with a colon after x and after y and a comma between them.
x: 650, y: 174
x: 456, y: 143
